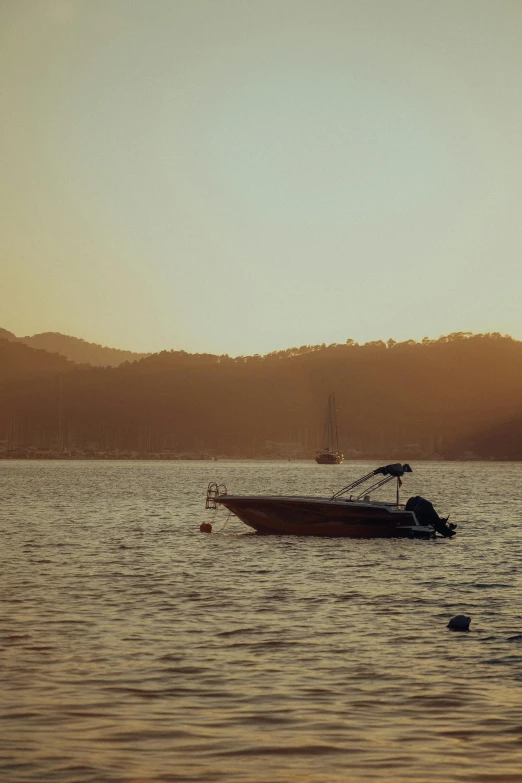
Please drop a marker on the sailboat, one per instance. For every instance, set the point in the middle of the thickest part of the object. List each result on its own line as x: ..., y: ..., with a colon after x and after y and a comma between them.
x: 330, y: 454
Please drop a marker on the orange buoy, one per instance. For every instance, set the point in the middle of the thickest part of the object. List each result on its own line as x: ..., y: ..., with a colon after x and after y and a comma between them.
x: 205, y: 527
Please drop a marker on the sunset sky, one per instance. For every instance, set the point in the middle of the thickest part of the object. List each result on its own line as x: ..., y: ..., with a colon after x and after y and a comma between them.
x: 240, y: 176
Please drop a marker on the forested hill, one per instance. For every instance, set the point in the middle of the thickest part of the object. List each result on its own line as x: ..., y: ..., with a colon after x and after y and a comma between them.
x: 76, y: 349
x: 396, y: 400
x: 21, y: 365
x: 501, y: 441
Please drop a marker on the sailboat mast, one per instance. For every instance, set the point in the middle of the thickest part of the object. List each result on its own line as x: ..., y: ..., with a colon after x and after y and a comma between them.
x: 330, y: 439
x: 60, y: 421
x: 331, y: 413
x: 330, y: 454
x: 335, y: 423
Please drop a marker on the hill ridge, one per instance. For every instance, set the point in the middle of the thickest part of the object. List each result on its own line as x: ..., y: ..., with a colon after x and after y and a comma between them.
x: 76, y: 349
x: 458, y: 395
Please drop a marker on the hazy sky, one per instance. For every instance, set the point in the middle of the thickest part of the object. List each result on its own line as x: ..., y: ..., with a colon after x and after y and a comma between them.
x: 239, y: 176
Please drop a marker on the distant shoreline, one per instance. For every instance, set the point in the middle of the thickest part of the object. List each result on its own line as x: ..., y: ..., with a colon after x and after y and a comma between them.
x: 160, y: 458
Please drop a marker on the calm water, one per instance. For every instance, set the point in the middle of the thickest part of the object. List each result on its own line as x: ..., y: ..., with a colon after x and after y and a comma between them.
x: 134, y: 648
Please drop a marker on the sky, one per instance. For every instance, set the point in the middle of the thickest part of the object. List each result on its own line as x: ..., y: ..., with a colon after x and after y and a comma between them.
x: 242, y: 176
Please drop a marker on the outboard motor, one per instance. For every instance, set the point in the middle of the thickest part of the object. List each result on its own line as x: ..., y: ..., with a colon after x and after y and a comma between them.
x: 427, y: 515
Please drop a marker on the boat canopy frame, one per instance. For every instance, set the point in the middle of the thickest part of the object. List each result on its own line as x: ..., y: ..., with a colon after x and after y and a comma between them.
x: 388, y: 472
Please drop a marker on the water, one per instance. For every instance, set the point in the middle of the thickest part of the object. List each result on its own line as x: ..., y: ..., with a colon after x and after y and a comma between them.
x: 136, y: 649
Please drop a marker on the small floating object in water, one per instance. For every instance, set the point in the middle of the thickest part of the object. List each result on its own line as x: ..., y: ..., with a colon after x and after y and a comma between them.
x: 459, y: 623
x: 205, y: 527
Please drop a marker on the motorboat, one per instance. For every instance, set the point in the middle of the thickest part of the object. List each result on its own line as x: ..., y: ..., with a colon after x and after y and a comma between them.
x: 349, y: 513
x: 330, y: 454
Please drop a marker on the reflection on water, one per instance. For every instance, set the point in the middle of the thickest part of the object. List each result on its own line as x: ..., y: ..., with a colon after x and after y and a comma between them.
x: 134, y: 648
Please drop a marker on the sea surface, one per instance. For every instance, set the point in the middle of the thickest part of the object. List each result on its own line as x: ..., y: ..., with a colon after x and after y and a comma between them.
x: 134, y: 648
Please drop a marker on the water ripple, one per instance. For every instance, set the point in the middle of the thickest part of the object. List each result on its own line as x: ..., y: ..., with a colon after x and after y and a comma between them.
x: 136, y: 650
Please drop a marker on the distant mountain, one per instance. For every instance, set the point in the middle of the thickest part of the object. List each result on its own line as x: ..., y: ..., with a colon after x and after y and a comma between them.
x: 5, y: 335
x: 76, y: 349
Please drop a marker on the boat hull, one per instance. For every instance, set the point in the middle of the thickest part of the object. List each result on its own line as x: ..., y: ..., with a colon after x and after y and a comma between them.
x: 325, y: 518
x: 330, y: 458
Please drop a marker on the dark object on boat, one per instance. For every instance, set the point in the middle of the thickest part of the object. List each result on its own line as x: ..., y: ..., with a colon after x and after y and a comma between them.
x: 397, y: 470
x: 353, y: 516
x: 459, y: 623
x: 427, y: 515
